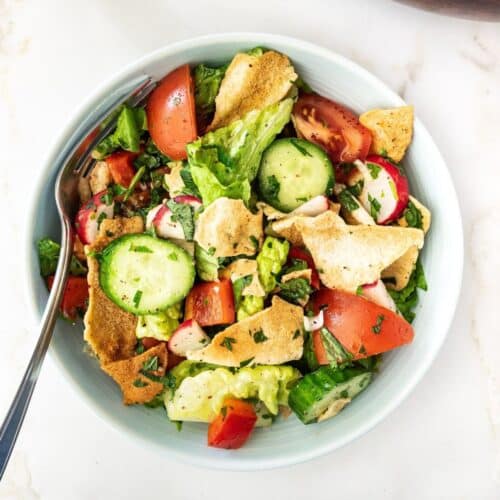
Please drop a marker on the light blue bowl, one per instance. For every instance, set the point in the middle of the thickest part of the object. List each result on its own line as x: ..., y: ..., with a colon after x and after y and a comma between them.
x: 289, y: 441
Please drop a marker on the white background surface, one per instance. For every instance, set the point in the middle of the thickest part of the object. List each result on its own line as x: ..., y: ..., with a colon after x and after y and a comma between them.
x: 441, y: 442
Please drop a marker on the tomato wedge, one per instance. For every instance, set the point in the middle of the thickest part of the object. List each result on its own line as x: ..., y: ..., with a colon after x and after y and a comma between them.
x: 331, y: 126
x: 211, y: 303
x: 361, y: 326
x: 301, y: 254
x: 121, y: 167
x: 233, y: 426
x: 75, y: 296
x: 171, y: 113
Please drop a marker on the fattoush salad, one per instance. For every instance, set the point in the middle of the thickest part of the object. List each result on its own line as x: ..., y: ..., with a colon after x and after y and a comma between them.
x: 246, y: 248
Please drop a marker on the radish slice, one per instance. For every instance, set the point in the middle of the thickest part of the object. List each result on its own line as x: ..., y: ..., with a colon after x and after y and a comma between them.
x: 151, y: 216
x: 314, y: 322
x: 187, y: 199
x: 377, y: 292
x: 188, y: 337
x: 164, y: 225
x: 313, y: 207
x: 385, y: 189
x: 89, y: 217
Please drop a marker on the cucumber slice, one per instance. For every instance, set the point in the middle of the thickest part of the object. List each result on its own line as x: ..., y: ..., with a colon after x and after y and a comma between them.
x: 317, y: 391
x: 145, y: 275
x: 293, y: 171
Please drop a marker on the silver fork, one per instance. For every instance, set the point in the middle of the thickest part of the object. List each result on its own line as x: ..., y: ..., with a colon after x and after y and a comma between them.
x: 72, y: 164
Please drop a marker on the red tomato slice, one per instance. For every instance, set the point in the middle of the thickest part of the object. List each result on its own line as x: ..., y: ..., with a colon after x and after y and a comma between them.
x: 233, y: 426
x: 211, y: 303
x: 75, y: 296
x: 361, y: 326
x: 331, y: 126
x: 299, y: 253
x: 319, y: 348
x: 171, y: 113
x: 121, y: 167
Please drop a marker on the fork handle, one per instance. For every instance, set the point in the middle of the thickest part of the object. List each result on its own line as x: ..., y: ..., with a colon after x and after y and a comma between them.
x: 15, y: 416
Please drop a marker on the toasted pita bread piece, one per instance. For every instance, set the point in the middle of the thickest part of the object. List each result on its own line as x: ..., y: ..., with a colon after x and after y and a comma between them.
x: 127, y: 373
x: 241, y: 268
x: 228, y: 228
x: 391, y: 129
x: 173, y: 180
x: 270, y: 337
x: 285, y: 225
x: 109, y: 330
x: 349, y: 256
x: 252, y: 82
x: 399, y: 272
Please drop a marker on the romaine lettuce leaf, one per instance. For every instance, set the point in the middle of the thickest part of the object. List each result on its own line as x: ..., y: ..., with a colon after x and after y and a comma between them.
x: 206, y: 265
x: 200, y: 397
x: 224, y: 162
x: 159, y: 326
x: 270, y: 261
x: 207, y: 81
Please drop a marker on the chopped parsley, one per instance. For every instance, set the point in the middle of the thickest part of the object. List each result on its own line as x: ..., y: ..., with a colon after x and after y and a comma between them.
x: 183, y: 213
x: 140, y: 347
x: 297, y: 333
x: 255, y: 242
x: 137, y: 298
x: 228, y: 343
x: 296, y: 144
x: 100, y: 218
x: 246, y: 362
x: 378, y: 325
x: 238, y: 286
x: 273, y: 187
x: 374, y: 169
x: 139, y: 383
x: 375, y: 206
x: 173, y: 256
x: 347, y: 200
x: 357, y: 188
x: 359, y: 290
x: 295, y: 290
x: 151, y: 365
x: 140, y: 249
x: 107, y: 198
x: 259, y: 337
x: 223, y: 411
x: 413, y: 216
x: 407, y: 298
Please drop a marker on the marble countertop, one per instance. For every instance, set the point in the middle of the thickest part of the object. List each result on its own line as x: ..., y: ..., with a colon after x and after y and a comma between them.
x: 442, y: 442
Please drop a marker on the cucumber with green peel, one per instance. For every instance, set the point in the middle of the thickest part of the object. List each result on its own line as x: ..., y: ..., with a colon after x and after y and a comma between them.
x: 145, y: 275
x: 318, y: 391
x: 293, y: 171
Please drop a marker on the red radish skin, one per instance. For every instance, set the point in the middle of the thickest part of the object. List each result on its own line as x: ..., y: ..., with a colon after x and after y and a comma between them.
x: 389, y: 188
x: 165, y: 227
x: 188, y: 337
x: 313, y: 207
x: 377, y: 292
x: 88, y: 217
x: 188, y: 199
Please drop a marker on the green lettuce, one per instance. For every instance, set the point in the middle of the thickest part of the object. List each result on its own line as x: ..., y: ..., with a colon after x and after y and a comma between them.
x: 248, y: 306
x: 130, y: 124
x: 224, y: 162
x: 159, y: 326
x: 48, y: 255
x: 200, y: 396
x: 207, y: 82
x: 271, y: 260
x: 207, y: 265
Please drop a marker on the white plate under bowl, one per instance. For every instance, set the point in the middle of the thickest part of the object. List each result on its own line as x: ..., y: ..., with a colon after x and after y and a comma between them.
x: 289, y: 441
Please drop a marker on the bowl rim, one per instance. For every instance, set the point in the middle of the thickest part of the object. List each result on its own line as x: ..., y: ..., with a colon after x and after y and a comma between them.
x: 231, y: 462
